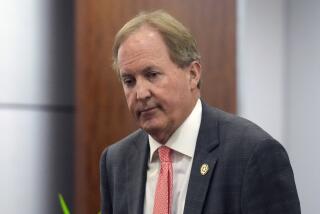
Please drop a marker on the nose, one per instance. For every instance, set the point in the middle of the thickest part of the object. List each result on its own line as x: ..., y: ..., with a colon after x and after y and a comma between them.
x: 142, y: 90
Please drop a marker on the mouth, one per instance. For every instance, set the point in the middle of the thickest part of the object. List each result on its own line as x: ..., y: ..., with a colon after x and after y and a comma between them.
x: 146, y: 111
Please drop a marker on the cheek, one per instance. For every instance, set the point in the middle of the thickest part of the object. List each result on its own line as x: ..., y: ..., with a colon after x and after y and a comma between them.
x: 177, y: 97
x: 130, y: 99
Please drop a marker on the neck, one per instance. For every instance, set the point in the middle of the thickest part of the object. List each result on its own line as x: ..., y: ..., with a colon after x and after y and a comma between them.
x: 162, y: 136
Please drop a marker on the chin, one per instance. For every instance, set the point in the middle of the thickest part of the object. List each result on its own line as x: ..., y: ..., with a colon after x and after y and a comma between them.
x: 151, y: 127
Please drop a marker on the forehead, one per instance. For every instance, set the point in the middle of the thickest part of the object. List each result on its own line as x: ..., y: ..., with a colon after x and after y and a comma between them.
x: 144, y: 44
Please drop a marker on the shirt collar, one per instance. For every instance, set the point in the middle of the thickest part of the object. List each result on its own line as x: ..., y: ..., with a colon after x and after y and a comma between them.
x: 184, y: 139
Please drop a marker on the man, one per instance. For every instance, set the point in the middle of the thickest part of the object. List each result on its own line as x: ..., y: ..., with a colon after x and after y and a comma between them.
x: 187, y: 157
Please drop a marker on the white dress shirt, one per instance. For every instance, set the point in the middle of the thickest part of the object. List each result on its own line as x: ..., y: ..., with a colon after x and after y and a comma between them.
x: 183, y: 143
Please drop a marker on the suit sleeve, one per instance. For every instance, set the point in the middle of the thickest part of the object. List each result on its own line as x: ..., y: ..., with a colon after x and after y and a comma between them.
x: 106, y: 202
x: 268, y: 185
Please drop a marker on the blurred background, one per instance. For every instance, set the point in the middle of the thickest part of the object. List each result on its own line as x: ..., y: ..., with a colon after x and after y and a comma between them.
x: 277, y: 70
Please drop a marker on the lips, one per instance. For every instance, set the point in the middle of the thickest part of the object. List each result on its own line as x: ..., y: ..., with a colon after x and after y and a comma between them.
x: 146, y: 111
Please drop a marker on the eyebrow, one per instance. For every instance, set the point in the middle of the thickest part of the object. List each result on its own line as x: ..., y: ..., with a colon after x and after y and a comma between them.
x: 149, y: 68
x: 124, y: 73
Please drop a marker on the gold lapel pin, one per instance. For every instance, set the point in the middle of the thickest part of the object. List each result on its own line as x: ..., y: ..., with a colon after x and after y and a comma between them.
x: 204, y: 169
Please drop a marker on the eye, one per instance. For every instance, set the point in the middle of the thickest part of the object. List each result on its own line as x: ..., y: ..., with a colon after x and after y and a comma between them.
x: 152, y: 75
x: 128, y: 81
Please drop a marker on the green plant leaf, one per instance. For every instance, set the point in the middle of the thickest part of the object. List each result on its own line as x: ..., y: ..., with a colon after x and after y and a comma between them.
x: 63, y: 205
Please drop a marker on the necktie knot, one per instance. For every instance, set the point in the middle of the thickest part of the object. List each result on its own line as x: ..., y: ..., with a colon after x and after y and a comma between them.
x: 164, y: 154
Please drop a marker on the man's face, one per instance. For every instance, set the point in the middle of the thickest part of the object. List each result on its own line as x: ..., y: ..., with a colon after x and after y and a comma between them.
x: 159, y: 94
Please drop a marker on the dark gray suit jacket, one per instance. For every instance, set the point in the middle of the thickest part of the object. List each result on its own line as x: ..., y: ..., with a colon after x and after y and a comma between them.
x: 249, y: 172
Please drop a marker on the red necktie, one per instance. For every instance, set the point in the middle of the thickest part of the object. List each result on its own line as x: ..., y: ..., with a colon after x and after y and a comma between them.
x: 163, y: 195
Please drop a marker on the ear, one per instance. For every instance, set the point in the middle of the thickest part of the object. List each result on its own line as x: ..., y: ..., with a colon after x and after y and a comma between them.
x: 195, y: 74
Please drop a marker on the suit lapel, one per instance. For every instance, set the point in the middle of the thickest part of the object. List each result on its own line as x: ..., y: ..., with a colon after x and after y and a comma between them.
x: 136, y: 173
x: 205, y: 153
